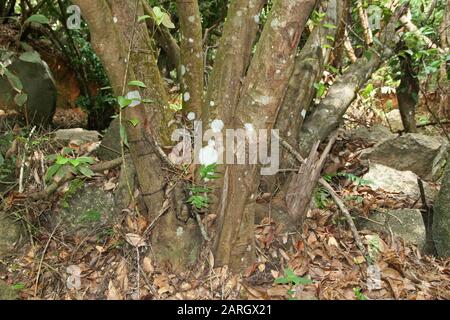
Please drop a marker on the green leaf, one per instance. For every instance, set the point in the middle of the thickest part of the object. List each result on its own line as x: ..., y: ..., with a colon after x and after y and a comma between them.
x: 18, y: 286
x: 329, y: 26
x: 167, y: 22
x: 88, y: 160
x: 158, y: 15
x: 38, y: 18
x: 52, y: 171
x: 62, y: 160
x: 32, y: 57
x: 162, y: 18
x: 123, y: 135
x: 20, y: 99
x: 74, y: 162
x: 137, y: 83
x: 124, y: 102
x: 15, y: 82
x: 86, y: 171
x: 134, y: 122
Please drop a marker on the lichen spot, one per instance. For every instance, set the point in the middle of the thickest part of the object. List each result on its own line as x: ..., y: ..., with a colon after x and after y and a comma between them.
x: 186, y: 96
x: 191, y: 19
x: 115, y: 19
x: 191, y: 116
x: 275, y: 23
x: 180, y: 231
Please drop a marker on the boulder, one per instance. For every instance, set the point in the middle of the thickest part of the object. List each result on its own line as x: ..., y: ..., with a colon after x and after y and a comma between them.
x: 110, y: 147
x: 64, y: 136
x: 89, y: 208
x: 38, y: 84
x: 10, y: 234
x: 405, y: 223
x: 394, y: 121
x: 395, y: 181
x: 370, y: 136
x: 421, y: 154
x: 441, y: 217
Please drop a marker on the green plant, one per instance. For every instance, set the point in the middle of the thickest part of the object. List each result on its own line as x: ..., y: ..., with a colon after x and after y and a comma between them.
x: 350, y: 176
x: 64, y: 165
x: 321, y: 197
x: 199, y: 194
x: 291, y: 279
x: 208, y: 172
x: 358, y: 294
x: 91, y: 216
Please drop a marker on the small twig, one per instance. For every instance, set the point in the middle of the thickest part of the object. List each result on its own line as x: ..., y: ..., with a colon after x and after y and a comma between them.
x: 22, y: 166
x: 42, y: 258
x: 201, y: 226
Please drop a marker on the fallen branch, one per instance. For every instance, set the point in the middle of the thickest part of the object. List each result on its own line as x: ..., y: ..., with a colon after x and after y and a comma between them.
x: 337, y: 200
x: 22, y: 166
x: 98, y: 167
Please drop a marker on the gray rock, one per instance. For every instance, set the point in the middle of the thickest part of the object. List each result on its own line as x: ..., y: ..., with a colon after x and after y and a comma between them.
x: 38, y: 84
x: 66, y: 135
x: 441, y: 217
x: 395, y: 181
x: 10, y: 234
x: 376, y: 134
x: 88, y: 209
x: 394, y: 120
x: 110, y: 147
x: 421, y: 154
x: 404, y: 223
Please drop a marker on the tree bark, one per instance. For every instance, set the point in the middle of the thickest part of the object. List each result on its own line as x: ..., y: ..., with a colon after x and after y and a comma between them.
x: 408, y: 94
x: 110, y: 45
x: 308, y: 70
x: 261, y: 96
x: 191, y: 56
x: 327, y: 116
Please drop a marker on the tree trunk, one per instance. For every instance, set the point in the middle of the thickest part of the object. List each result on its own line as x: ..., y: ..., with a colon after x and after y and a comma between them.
x: 112, y: 45
x: 408, y: 94
x: 308, y: 71
x: 191, y: 57
x: 444, y: 82
x: 261, y: 97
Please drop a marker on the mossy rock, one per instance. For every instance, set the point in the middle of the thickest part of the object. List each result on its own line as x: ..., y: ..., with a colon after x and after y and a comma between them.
x: 7, y: 293
x: 38, y: 84
x: 10, y: 234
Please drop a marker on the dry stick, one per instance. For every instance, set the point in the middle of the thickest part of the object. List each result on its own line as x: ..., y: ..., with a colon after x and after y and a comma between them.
x: 99, y: 167
x: 42, y: 258
x: 22, y: 166
x: 336, y: 199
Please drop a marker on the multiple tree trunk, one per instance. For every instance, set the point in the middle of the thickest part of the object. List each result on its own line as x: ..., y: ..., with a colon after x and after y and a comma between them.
x: 257, y: 87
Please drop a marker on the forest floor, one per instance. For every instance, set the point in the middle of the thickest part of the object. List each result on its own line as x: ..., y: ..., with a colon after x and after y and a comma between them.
x: 321, y: 262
